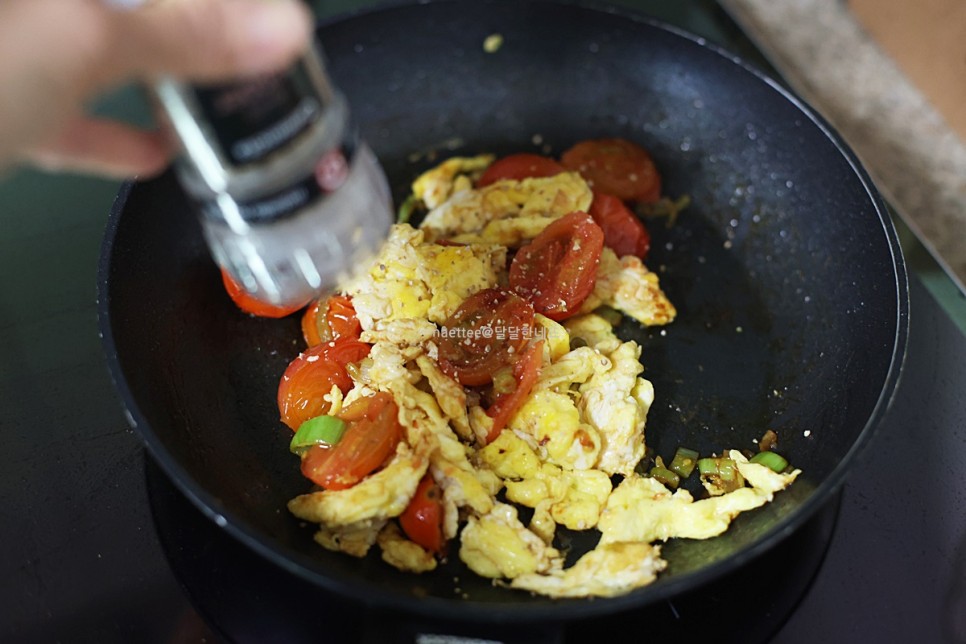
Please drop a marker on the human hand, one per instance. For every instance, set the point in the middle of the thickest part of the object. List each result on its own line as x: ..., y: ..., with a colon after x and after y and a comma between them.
x: 55, y: 55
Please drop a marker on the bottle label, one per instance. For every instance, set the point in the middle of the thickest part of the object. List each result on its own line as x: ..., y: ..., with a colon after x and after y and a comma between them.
x: 329, y: 173
x: 252, y: 119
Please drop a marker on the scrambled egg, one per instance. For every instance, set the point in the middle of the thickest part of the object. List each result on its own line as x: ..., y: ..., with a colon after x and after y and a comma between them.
x: 399, y: 552
x: 606, y: 571
x: 413, y: 279
x: 435, y: 186
x: 497, y: 545
x: 507, y: 212
x: 582, y: 422
x: 642, y: 509
x: 626, y: 285
x: 615, y: 402
x: 382, y: 495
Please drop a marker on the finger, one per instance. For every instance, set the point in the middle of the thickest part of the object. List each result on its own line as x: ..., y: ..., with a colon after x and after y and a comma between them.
x: 208, y: 39
x: 47, y: 48
x: 102, y: 147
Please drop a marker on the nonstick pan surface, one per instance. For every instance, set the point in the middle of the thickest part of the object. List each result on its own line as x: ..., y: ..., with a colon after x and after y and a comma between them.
x: 785, y: 269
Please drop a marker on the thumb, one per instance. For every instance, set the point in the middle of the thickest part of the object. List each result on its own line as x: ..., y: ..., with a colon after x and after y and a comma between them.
x: 55, y: 54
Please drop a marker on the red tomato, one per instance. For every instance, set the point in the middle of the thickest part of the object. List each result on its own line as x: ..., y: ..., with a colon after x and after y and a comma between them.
x: 617, y: 167
x: 525, y: 371
x: 310, y: 377
x: 519, y: 166
x: 341, y: 318
x: 249, y: 304
x: 557, y: 270
x: 624, y: 233
x: 310, y: 325
x: 306, y: 380
x: 482, y: 335
x: 343, y: 351
x: 370, y: 438
x: 422, y: 520
x: 338, y: 321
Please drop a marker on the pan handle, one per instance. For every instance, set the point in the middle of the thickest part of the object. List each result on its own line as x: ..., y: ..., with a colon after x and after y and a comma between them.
x: 393, y: 628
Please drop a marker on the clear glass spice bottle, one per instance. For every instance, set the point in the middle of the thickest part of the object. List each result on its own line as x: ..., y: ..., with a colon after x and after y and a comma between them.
x: 291, y: 201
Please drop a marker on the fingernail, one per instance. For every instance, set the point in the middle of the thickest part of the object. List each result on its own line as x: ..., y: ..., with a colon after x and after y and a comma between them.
x: 276, y: 29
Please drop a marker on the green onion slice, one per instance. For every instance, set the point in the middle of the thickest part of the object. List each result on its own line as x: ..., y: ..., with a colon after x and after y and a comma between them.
x: 708, y: 466
x: 727, y: 470
x: 722, y: 473
x: 771, y: 460
x: 321, y: 430
x: 406, y: 209
x: 683, y: 462
x: 666, y: 476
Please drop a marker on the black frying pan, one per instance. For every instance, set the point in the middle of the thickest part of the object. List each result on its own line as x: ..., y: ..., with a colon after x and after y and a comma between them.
x: 788, y: 279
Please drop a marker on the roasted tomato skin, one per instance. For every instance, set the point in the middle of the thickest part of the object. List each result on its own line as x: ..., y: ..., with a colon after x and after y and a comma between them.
x: 617, y: 167
x: 483, y: 334
x: 624, y: 233
x: 518, y: 167
x: 558, y: 269
x: 526, y: 372
x: 422, y: 520
x: 310, y: 377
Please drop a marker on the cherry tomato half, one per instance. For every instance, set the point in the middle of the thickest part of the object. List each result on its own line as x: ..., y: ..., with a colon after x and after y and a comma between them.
x: 519, y: 166
x: 558, y: 269
x: 310, y: 377
x: 330, y: 319
x: 341, y: 318
x: 483, y: 334
x: 422, y: 520
x: 624, y: 233
x: 617, y: 167
x: 250, y: 304
x: 525, y: 372
x: 310, y: 325
x: 370, y: 438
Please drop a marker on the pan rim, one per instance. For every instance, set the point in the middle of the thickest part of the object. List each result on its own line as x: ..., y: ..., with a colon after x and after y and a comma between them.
x: 369, y: 594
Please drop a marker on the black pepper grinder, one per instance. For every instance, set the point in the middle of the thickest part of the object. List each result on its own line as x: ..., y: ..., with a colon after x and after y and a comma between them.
x: 290, y: 200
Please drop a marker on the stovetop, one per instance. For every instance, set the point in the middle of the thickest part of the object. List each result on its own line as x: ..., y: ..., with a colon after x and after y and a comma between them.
x: 83, y: 561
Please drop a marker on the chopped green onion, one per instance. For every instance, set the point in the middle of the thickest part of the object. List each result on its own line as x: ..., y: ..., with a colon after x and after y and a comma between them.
x: 727, y: 470
x: 721, y: 473
x: 683, y: 462
x: 317, y: 431
x: 708, y: 466
x: 613, y: 316
x: 503, y: 381
x: 576, y: 342
x: 406, y: 209
x: 666, y: 476
x: 771, y: 460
